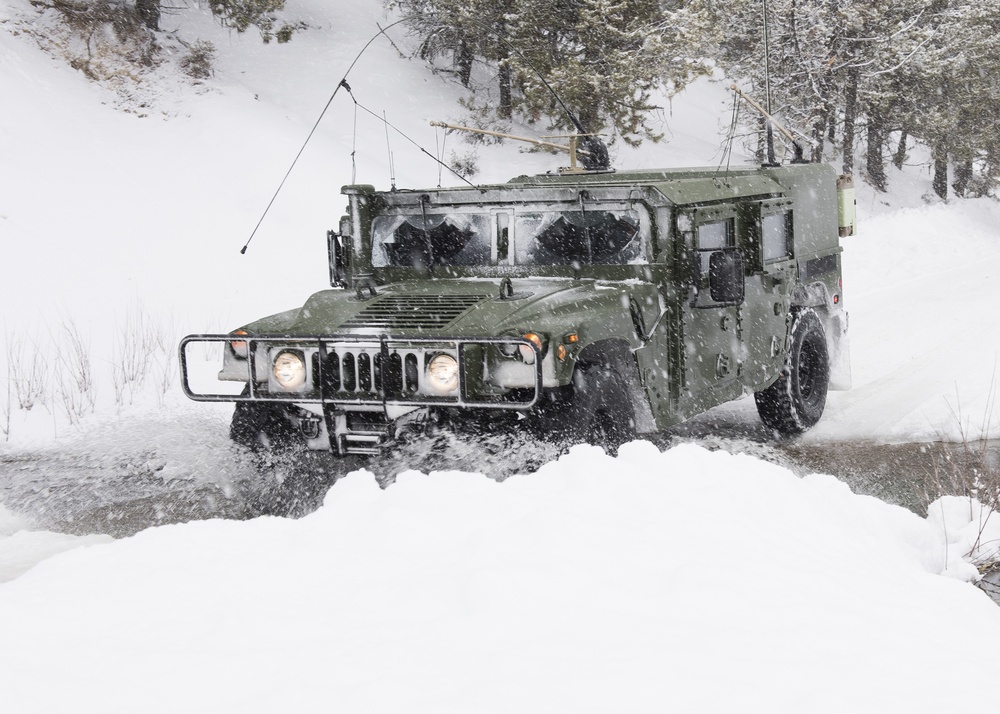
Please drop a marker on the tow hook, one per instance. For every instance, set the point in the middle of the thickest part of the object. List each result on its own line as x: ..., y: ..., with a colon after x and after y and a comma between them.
x: 309, y: 425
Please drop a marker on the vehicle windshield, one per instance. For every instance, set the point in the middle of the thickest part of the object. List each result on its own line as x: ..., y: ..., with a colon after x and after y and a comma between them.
x: 584, y: 237
x: 432, y: 239
x: 510, y: 236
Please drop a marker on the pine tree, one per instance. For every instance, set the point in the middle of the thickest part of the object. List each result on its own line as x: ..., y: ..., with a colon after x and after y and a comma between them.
x: 953, y: 90
x: 243, y: 14
x: 238, y: 14
x: 604, y: 58
x: 830, y: 65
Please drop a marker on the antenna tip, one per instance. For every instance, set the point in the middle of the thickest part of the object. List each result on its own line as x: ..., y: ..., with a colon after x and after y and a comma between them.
x: 243, y: 250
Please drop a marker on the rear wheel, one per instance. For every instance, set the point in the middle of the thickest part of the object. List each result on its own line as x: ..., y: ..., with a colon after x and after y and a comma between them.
x: 795, y: 402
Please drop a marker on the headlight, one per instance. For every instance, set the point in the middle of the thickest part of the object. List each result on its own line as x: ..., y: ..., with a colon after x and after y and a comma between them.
x: 442, y: 373
x: 289, y: 369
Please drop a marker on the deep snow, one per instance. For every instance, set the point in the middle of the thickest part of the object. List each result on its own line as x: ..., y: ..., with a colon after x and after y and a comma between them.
x: 595, y: 584
x: 684, y: 581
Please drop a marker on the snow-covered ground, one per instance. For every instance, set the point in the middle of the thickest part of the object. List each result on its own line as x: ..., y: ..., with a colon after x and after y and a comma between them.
x: 688, y: 580
x: 680, y: 581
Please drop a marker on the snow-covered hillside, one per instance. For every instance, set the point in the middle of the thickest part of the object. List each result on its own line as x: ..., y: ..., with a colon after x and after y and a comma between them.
x: 596, y: 584
x: 123, y: 223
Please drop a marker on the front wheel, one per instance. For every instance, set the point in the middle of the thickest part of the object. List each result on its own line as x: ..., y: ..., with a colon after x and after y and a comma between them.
x: 595, y: 409
x: 795, y: 402
x: 262, y: 427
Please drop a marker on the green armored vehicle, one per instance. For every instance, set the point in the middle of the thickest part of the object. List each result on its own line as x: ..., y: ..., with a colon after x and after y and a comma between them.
x: 593, y: 306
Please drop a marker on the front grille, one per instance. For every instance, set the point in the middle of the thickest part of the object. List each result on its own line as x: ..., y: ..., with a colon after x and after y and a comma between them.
x: 413, y: 312
x: 359, y: 372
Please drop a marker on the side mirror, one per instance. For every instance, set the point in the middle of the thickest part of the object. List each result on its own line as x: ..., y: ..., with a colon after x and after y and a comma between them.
x: 338, y: 249
x: 725, y: 277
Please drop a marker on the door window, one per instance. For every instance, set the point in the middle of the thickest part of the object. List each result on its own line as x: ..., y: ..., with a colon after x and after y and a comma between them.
x: 776, y: 236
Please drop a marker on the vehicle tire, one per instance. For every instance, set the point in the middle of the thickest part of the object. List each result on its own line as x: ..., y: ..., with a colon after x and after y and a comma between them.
x: 795, y: 402
x: 262, y: 427
x: 595, y: 409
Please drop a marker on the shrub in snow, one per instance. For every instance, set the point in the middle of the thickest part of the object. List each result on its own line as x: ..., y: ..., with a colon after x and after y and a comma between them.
x: 197, y: 63
x: 971, y: 532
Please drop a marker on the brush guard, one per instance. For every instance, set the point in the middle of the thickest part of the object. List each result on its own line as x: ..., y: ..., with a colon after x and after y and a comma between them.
x: 366, y: 371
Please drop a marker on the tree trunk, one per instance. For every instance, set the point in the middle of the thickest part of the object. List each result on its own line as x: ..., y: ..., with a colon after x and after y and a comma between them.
x: 940, y: 181
x: 874, y: 161
x: 149, y: 13
x: 465, y: 59
x: 963, y: 174
x: 850, y: 115
x: 506, y: 108
x: 900, y: 156
x: 819, y: 131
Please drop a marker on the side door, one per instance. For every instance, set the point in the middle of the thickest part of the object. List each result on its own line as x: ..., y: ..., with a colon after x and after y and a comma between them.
x: 711, y: 329
x: 768, y: 251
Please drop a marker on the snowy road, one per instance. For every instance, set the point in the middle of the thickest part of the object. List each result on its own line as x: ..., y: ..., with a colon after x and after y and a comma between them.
x: 126, y: 480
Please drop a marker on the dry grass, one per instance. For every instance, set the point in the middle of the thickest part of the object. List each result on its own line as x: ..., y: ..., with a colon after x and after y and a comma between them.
x: 27, y: 371
x: 74, y: 383
x: 971, y: 469
x: 140, y: 344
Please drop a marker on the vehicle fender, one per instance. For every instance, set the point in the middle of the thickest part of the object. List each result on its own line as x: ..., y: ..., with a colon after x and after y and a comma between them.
x: 619, y: 354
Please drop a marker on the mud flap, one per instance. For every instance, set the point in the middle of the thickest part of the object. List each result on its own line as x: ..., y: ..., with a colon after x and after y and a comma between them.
x: 838, y: 344
x: 645, y: 422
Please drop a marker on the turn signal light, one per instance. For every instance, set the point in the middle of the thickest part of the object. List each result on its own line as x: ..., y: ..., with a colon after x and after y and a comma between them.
x: 527, y: 354
x: 535, y: 339
x: 239, y: 346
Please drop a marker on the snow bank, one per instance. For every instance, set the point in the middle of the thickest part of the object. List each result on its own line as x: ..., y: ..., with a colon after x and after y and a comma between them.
x: 22, y: 550
x: 679, y: 581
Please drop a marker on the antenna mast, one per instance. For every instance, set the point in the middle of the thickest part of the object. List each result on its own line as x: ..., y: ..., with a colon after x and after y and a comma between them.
x: 767, y: 60
x: 768, y: 127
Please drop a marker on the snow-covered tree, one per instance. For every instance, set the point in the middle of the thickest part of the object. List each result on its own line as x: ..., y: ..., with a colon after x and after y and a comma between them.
x: 954, y: 90
x: 831, y: 66
x: 603, y: 58
x: 463, y: 30
x: 238, y: 14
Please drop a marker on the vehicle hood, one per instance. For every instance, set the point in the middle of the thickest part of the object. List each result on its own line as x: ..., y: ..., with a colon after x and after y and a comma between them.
x: 461, y: 308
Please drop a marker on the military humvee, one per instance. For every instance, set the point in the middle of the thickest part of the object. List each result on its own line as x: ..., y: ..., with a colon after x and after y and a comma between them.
x: 593, y: 306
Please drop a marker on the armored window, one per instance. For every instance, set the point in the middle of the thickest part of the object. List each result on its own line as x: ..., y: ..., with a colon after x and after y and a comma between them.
x: 435, y: 239
x: 586, y: 237
x: 715, y: 235
x: 717, y: 266
x: 776, y: 236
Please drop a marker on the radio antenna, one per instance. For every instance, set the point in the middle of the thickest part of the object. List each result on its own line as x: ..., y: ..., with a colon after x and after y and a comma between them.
x: 768, y: 125
x: 593, y: 150
x: 767, y: 60
x: 342, y: 83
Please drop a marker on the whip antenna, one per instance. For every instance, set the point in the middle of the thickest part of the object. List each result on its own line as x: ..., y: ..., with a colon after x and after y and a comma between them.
x: 342, y: 83
x: 594, y: 152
